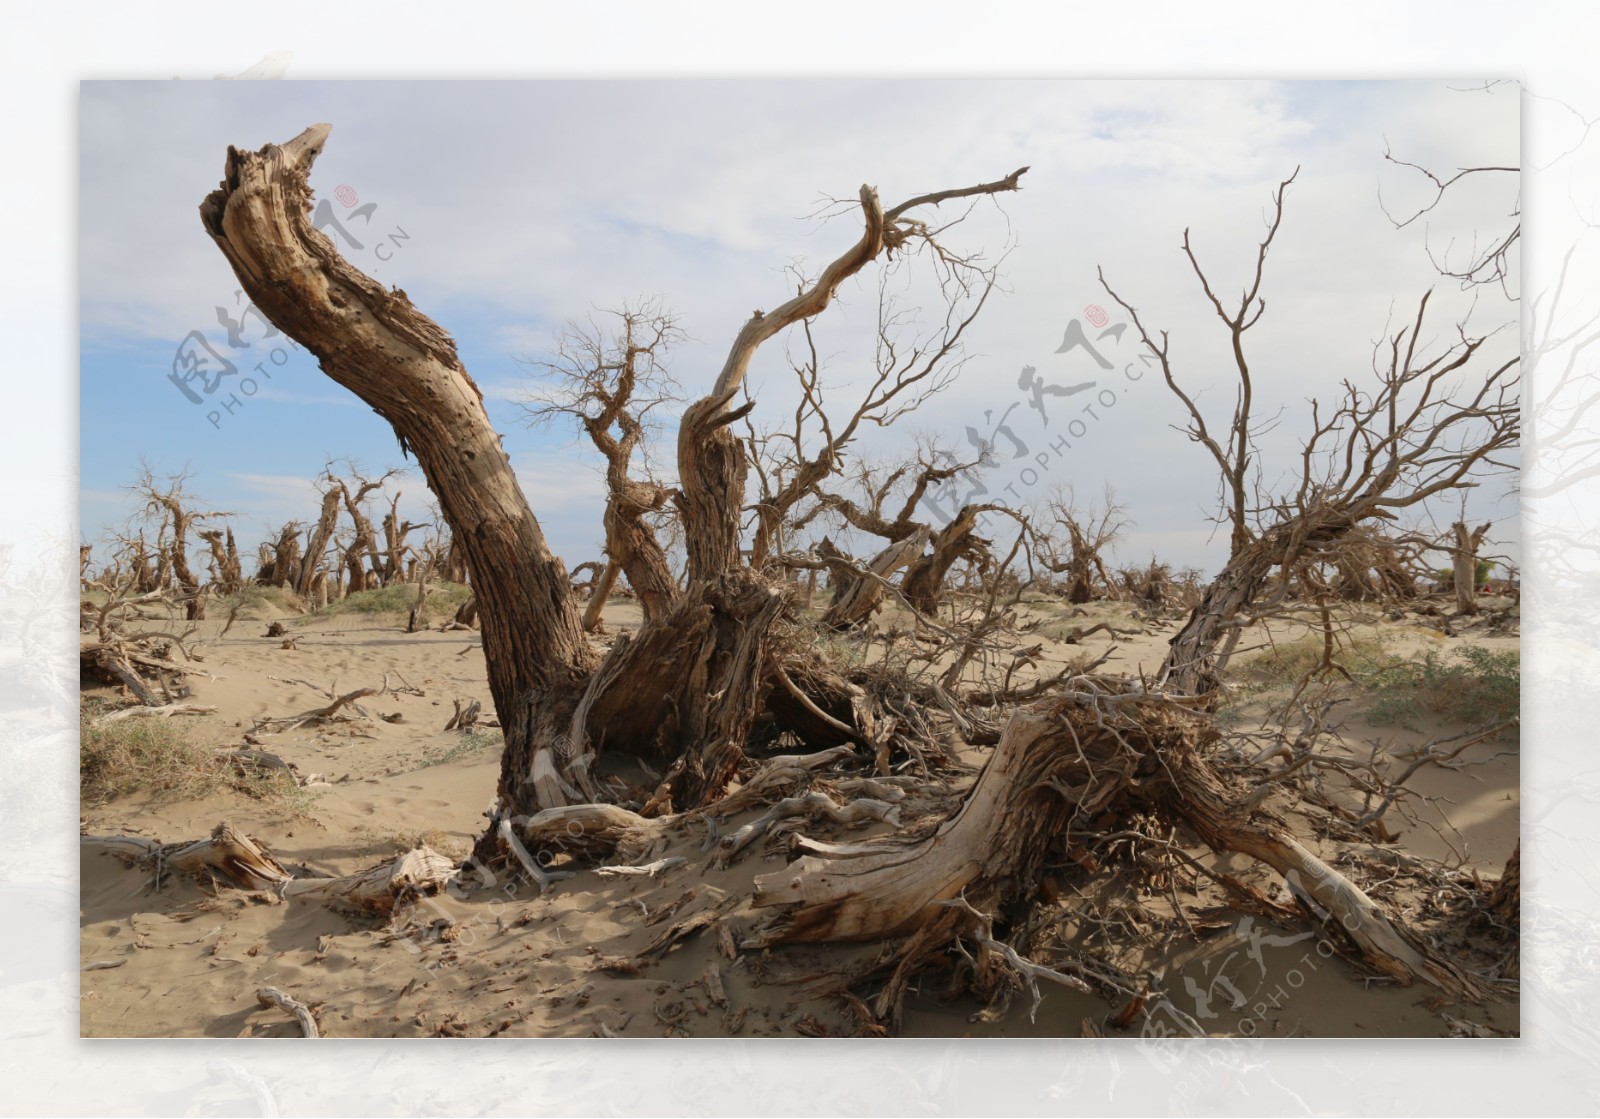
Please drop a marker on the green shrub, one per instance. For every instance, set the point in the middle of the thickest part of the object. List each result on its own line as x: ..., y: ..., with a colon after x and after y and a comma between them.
x: 1471, y: 684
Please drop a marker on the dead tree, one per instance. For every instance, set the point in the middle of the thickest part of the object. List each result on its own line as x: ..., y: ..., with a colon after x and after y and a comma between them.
x: 167, y: 502
x: 905, y: 532
x: 1098, y: 752
x: 686, y: 688
x: 455, y: 563
x: 415, y: 620
x: 857, y: 591
x: 1375, y: 565
x: 611, y: 385
x: 1089, y: 533
x: 908, y: 369
x: 226, y: 569
x: 362, y: 559
x: 923, y: 584
x: 319, y: 535
x: 1464, y: 545
x: 395, y: 548
x: 1429, y: 426
x: 278, y: 561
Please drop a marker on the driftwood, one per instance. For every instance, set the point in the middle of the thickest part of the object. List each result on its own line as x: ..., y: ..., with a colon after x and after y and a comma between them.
x: 333, y: 710
x: 465, y: 716
x: 271, y: 996
x: 165, y: 711
x: 231, y: 858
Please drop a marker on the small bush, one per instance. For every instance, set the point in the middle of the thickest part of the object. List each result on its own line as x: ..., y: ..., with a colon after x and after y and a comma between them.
x: 132, y: 755
x: 161, y: 757
x: 1291, y: 662
x: 472, y: 742
x: 1471, y: 684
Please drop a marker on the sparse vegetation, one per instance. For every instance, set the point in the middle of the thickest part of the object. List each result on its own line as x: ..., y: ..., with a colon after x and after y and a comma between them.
x: 1361, y: 655
x: 472, y: 742
x: 444, y: 599
x: 162, y: 757
x: 1470, y: 684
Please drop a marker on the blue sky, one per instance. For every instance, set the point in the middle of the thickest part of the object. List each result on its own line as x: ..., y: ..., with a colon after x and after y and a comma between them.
x: 506, y: 209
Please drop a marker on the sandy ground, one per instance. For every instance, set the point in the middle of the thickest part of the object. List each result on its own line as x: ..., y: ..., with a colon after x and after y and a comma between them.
x: 186, y: 962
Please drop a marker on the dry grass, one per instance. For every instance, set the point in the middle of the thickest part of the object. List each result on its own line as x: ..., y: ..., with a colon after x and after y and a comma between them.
x: 444, y: 599
x: 161, y: 757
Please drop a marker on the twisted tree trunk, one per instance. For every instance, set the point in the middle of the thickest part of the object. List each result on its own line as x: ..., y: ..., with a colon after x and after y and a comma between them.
x: 687, y: 686
x: 924, y: 580
x: 374, y: 342
x: 598, y: 593
x: 317, y: 545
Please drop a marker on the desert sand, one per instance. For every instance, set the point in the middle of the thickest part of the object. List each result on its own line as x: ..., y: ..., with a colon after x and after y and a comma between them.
x: 186, y: 960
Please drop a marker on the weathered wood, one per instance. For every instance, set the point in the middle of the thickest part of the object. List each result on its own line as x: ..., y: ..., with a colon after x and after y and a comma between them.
x: 924, y: 578
x: 1465, y: 543
x: 598, y: 594
x: 165, y: 711
x: 233, y: 858
x: 1061, y: 763
x: 860, y: 597
x: 272, y: 997
x: 371, y: 340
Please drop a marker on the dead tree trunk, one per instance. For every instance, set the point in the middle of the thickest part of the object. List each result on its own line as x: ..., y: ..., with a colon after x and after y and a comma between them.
x: 170, y: 501
x: 395, y: 548
x: 374, y: 342
x: 414, y: 621
x: 1080, y: 567
x: 924, y: 579
x: 859, y: 596
x: 1464, y: 564
x: 317, y: 544
x: 279, y: 560
x: 455, y: 564
x: 598, y: 594
x: 227, y: 570
x: 1057, y: 768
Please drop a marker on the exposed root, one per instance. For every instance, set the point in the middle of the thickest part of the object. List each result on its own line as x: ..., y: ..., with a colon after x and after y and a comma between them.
x: 1058, y: 767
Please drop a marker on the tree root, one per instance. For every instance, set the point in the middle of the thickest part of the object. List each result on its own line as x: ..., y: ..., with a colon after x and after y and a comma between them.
x: 1057, y: 768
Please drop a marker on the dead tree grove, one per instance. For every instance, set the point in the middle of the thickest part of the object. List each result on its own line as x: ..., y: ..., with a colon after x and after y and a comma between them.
x: 685, y: 691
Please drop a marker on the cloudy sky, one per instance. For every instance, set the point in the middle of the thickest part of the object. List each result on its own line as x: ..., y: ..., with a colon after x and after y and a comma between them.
x: 506, y: 209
